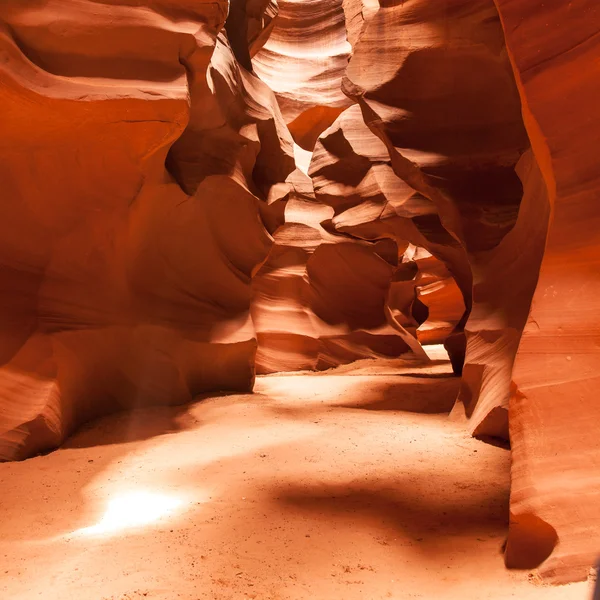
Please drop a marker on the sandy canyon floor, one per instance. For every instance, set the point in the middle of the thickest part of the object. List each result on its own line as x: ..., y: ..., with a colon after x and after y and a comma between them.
x: 353, y: 484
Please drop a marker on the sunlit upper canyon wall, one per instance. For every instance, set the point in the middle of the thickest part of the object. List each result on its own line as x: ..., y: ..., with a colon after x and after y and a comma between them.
x: 194, y: 192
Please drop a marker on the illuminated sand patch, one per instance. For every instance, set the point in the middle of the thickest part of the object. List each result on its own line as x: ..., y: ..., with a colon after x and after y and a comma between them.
x: 131, y: 510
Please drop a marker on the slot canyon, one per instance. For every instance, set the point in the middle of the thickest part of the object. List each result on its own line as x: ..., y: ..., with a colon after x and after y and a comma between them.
x: 299, y: 299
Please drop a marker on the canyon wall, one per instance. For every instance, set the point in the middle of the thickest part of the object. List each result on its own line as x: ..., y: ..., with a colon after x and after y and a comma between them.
x: 323, y: 297
x: 158, y: 222
x: 428, y: 162
x: 320, y: 300
x: 125, y: 282
x: 555, y: 495
x: 454, y: 136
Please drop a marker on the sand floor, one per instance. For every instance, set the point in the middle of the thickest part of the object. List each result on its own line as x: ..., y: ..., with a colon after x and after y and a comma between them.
x: 316, y: 486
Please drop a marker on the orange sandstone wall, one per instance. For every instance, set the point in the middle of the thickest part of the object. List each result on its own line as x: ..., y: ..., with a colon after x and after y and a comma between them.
x: 434, y: 84
x: 326, y: 297
x: 554, y: 410
x: 125, y: 282
x: 303, y: 62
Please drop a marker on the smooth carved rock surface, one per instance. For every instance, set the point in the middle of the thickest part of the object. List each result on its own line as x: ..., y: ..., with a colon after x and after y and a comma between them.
x: 555, y: 497
x: 320, y: 299
x: 345, y: 279
x: 351, y: 170
x: 303, y: 63
x: 122, y: 285
x: 438, y: 291
x: 253, y: 185
x: 323, y: 297
x: 454, y: 136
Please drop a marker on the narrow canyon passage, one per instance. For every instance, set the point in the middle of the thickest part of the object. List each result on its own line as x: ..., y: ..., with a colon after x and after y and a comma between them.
x: 349, y: 484
x: 299, y: 299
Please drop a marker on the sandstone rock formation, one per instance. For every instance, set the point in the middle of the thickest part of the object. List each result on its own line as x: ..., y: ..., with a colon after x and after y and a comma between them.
x: 320, y: 299
x: 454, y: 136
x: 125, y: 283
x: 323, y: 298
x: 197, y: 190
x: 303, y: 63
x: 352, y: 173
x: 458, y: 143
x: 555, y: 494
x: 438, y: 292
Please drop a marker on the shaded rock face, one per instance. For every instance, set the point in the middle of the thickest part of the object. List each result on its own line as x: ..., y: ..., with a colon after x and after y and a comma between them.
x: 454, y: 138
x: 125, y: 282
x: 425, y: 162
x: 554, y: 406
x: 320, y: 299
x: 196, y: 191
x: 323, y: 297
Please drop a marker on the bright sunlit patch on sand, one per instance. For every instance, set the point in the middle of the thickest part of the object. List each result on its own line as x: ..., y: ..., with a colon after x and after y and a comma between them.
x: 133, y: 509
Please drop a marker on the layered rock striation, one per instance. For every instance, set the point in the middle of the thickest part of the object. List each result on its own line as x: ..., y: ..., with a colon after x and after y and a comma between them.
x: 555, y: 496
x: 140, y: 181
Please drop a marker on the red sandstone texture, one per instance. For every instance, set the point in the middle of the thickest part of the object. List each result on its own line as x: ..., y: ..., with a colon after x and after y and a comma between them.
x: 303, y: 62
x: 323, y: 297
x: 126, y: 282
x: 320, y: 300
x: 554, y: 409
x: 253, y: 186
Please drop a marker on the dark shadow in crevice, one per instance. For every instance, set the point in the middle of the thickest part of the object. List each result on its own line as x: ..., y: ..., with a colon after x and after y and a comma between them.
x: 429, y: 375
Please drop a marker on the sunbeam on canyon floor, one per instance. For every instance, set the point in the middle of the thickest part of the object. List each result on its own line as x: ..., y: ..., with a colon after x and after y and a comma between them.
x: 132, y: 509
x: 349, y: 485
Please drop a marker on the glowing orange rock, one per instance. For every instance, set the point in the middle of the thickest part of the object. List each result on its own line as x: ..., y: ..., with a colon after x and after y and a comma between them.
x: 122, y: 285
x: 303, y: 63
x: 351, y: 170
x: 442, y: 99
x: 554, y: 410
x: 320, y: 299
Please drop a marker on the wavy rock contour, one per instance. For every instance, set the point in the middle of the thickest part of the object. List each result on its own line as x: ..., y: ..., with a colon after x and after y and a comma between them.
x: 555, y: 496
x: 122, y: 284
